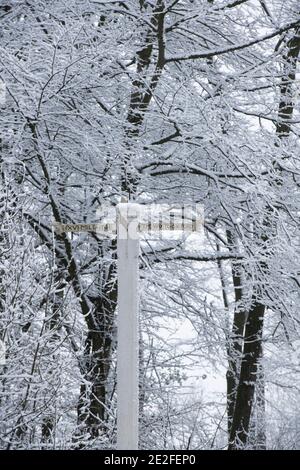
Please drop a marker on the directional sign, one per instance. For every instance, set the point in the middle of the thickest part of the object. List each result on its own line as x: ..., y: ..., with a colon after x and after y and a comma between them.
x: 130, y: 220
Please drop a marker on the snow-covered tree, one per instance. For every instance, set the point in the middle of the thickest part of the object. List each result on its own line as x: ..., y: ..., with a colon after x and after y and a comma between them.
x: 164, y: 101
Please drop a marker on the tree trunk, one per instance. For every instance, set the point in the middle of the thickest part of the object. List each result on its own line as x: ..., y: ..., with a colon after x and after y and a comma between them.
x: 254, y: 326
x: 235, y: 346
x: 246, y: 388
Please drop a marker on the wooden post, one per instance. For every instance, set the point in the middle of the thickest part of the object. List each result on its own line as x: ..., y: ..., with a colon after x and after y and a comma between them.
x: 128, y: 341
x: 127, y: 228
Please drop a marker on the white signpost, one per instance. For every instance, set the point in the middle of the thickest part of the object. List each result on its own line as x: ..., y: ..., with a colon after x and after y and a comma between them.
x: 128, y: 334
x: 127, y: 228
